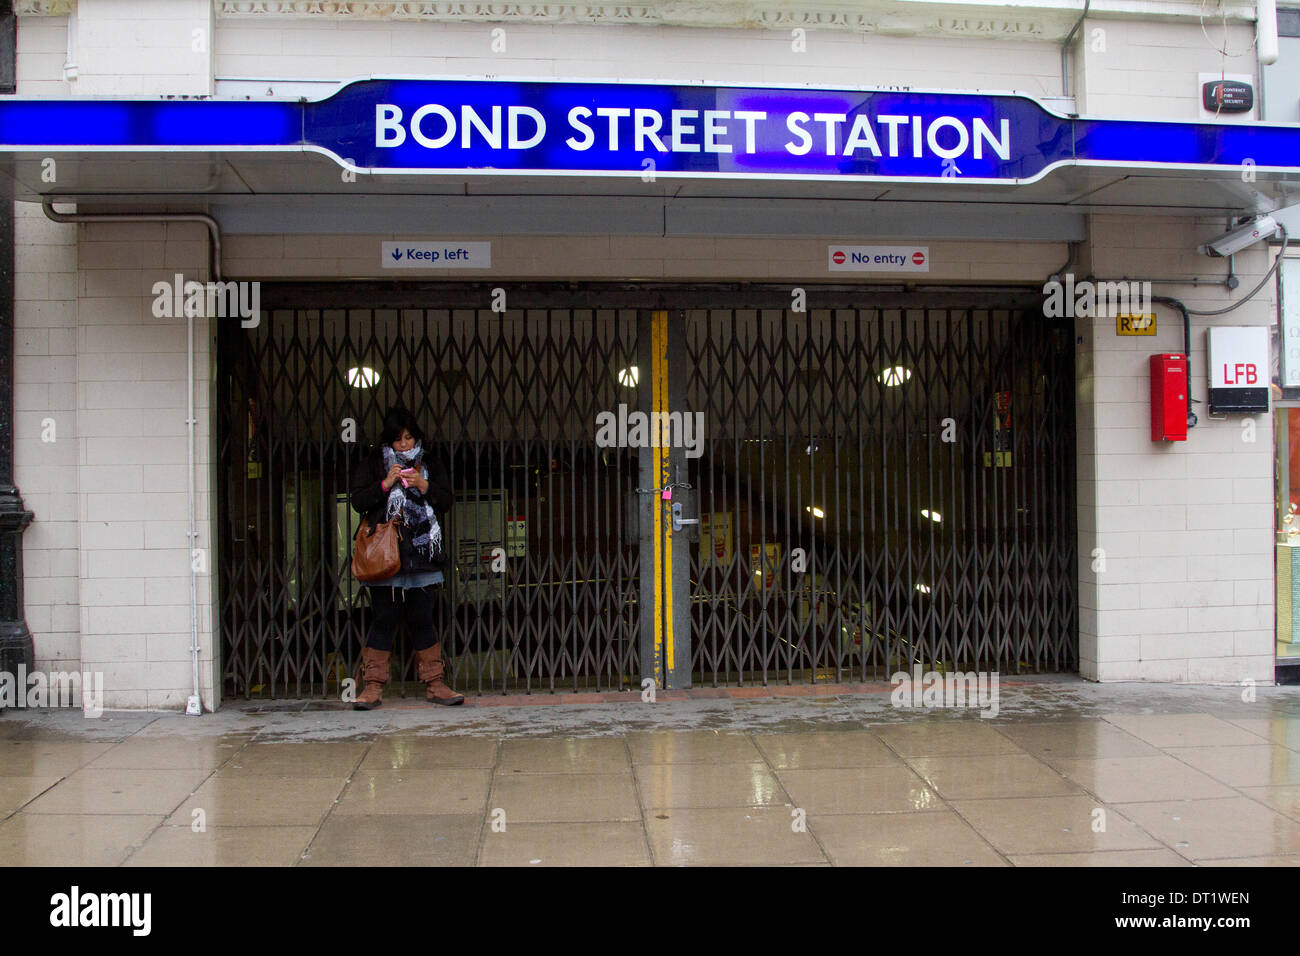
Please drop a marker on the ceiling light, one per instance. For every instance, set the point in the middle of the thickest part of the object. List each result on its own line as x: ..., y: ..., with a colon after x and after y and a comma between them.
x: 362, y: 377
x: 815, y: 512
x: 895, y: 375
x: 629, y: 376
x: 923, y: 588
x: 932, y: 515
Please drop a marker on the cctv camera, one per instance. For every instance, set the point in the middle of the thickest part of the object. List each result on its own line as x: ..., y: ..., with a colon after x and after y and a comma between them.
x: 1239, y: 238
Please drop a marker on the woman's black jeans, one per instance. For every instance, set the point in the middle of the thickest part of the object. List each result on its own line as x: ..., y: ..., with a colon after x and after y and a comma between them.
x: 390, y: 605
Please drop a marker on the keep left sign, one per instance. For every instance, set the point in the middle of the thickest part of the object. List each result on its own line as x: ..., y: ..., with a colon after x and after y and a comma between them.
x: 436, y: 254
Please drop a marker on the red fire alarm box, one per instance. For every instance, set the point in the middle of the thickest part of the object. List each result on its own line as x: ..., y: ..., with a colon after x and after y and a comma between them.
x: 1169, y: 398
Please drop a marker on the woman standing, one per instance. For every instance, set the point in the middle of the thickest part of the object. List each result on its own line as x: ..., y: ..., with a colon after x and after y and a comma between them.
x: 397, y: 481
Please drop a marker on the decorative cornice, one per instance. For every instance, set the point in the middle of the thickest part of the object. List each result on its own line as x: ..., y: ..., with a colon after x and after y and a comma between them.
x: 1048, y: 20
x: 44, y: 8
x: 824, y: 15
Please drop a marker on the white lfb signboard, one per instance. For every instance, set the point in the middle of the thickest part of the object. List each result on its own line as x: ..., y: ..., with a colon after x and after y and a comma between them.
x: 1239, y: 368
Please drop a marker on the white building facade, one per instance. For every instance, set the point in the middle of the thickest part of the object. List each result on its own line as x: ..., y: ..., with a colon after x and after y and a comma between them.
x: 1170, y: 560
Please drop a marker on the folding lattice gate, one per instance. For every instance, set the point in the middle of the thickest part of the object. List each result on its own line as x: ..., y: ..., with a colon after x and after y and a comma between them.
x: 882, y: 480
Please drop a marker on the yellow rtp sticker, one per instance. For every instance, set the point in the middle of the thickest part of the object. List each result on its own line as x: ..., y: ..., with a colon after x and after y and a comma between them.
x: 1143, y: 324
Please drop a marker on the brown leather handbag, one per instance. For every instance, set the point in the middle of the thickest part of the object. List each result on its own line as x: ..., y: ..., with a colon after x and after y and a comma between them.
x: 375, y: 554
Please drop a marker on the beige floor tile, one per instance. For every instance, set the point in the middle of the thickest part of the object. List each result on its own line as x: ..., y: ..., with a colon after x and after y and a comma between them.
x: 298, y: 759
x: 416, y: 792
x: 564, y: 755
x: 425, y: 752
x: 931, y: 736
x: 1264, y: 765
x: 735, y: 836
x: 396, y: 840
x: 162, y: 754
x: 990, y: 775
x: 845, y: 748
x: 893, y: 789
x: 940, y: 838
x: 1254, y: 861
x: 1208, y: 829
x: 1050, y: 825
x: 16, y: 791
x: 42, y: 758
x: 1283, y: 731
x: 223, y: 846
x: 563, y: 798
x: 708, y: 785
x: 247, y: 800
x: 567, y: 844
x: 175, y: 726
x: 1284, y: 800
x: 1076, y: 738
x: 691, y: 746
x: 119, y: 791
x: 1160, y: 857
x: 72, y: 839
x: 1183, y: 730
x: 1134, y: 779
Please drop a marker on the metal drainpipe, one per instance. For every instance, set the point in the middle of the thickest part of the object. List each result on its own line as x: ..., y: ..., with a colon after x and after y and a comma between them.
x: 1065, y: 49
x: 214, y: 230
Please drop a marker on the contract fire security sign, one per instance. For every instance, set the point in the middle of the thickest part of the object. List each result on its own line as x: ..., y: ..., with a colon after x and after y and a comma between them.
x: 879, y: 258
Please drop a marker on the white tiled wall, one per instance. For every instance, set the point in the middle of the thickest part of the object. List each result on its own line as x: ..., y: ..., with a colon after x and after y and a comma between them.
x: 45, y: 407
x: 42, y: 51
x: 141, y: 47
x: 312, y: 48
x: 1134, y: 68
x: 131, y: 391
x: 1186, y: 527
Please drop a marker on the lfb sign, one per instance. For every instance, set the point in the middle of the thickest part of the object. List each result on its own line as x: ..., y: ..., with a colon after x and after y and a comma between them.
x: 1239, y: 369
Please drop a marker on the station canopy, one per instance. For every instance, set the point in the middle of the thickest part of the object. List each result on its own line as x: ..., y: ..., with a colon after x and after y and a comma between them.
x: 539, y: 157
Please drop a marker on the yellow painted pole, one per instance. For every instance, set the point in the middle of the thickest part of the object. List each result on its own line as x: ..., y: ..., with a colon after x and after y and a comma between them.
x: 662, y: 534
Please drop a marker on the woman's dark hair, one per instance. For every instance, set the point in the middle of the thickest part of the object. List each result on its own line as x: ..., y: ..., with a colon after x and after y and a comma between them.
x: 396, y: 420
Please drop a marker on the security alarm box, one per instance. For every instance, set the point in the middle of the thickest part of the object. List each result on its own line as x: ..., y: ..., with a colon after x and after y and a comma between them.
x: 1169, y: 398
x: 1239, y: 362
x: 1227, y: 96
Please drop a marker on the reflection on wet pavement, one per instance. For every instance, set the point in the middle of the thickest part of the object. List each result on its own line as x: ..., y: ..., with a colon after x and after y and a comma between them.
x: 1068, y: 774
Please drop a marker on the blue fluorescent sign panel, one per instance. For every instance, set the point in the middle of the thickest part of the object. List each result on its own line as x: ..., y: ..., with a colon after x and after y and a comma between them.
x: 415, y: 125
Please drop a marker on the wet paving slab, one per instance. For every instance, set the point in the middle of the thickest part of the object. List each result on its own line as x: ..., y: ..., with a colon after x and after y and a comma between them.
x: 1178, y: 775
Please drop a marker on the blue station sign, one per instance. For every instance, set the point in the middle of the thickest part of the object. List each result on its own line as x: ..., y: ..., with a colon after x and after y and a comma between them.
x: 627, y: 129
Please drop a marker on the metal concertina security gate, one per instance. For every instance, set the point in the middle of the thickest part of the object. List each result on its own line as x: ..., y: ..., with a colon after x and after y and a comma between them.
x: 886, y: 479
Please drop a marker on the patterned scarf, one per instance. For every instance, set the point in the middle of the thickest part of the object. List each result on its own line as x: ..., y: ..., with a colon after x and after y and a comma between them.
x: 417, y: 515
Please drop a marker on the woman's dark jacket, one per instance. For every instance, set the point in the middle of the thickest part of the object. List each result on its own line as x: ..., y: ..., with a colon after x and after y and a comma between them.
x: 370, y: 499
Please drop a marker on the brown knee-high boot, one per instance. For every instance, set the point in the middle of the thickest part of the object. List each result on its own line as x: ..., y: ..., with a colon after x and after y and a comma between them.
x: 430, y: 668
x: 374, y: 675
